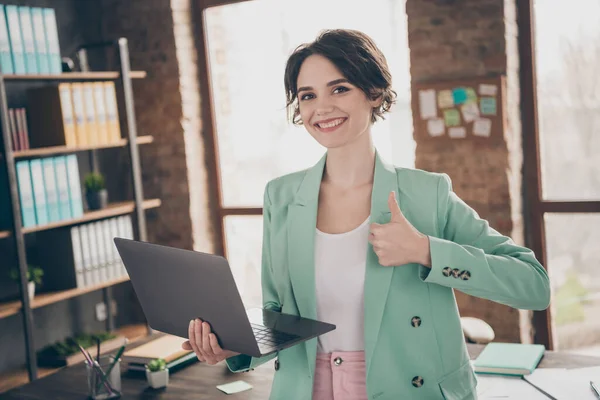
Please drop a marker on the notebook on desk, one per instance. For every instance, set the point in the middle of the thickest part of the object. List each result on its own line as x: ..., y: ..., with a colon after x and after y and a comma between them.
x: 167, y: 347
x: 509, y: 358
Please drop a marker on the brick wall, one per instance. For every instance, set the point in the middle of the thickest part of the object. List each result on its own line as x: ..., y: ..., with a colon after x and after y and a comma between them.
x: 463, y: 39
x: 167, y: 104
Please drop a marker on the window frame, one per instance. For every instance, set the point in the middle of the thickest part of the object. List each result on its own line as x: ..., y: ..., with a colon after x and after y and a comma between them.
x: 209, y: 123
x: 535, y: 207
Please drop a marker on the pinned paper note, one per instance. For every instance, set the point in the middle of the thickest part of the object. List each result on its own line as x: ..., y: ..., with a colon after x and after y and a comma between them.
x: 482, y: 127
x: 445, y: 99
x: 457, y: 132
x: 488, y: 105
x: 436, y: 127
x: 459, y: 95
x: 234, y: 387
x: 488, y: 89
x: 470, y: 112
x: 452, y: 117
x: 471, y: 95
x: 427, y: 104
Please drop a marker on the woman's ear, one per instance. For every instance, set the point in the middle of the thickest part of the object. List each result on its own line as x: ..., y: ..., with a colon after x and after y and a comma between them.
x: 376, y: 101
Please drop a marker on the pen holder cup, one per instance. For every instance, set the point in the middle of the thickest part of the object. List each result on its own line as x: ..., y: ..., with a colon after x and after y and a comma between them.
x: 99, y: 390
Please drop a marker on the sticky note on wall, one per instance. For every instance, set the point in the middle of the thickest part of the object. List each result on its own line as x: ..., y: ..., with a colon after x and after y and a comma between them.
x: 427, y: 104
x: 452, y: 117
x: 488, y: 105
x: 488, y: 89
x: 471, y: 95
x: 435, y: 127
x: 482, y: 127
x: 459, y: 95
x: 445, y: 99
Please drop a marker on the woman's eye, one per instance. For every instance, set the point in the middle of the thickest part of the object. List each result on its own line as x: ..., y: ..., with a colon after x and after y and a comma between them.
x: 305, y: 97
x: 341, y: 89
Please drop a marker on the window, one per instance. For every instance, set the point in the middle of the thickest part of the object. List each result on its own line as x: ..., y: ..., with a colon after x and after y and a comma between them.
x: 247, y: 45
x: 565, y: 208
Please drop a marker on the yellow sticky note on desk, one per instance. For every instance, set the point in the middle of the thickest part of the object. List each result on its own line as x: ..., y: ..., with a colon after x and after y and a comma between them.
x: 234, y: 387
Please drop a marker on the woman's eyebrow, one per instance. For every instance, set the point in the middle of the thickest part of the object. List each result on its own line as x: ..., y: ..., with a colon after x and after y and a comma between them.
x: 334, y: 82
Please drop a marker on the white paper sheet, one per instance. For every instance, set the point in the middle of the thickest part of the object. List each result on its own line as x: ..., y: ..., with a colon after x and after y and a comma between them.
x: 482, y: 127
x: 566, y: 384
x: 436, y: 127
x: 427, y: 104
x: 487, y: 89
x: 470, y: 112
x: 457, y: 132
x: 492, y: 387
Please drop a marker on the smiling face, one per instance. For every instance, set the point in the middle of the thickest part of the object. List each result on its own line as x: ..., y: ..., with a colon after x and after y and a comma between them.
x: 333, y: 111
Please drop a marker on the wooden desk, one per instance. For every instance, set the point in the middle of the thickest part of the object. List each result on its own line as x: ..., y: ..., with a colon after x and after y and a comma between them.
x: 198, y: 381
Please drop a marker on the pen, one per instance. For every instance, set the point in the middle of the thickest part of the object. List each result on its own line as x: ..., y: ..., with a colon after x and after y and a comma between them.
x: 595, y: 389
x: 112, y: 365
x: 95, y: 366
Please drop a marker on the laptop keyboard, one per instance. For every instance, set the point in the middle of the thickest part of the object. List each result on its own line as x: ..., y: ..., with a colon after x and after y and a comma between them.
x: 267, y: 337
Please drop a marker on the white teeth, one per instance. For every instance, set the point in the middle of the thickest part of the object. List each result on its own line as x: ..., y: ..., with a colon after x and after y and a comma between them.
x: 331, y: 124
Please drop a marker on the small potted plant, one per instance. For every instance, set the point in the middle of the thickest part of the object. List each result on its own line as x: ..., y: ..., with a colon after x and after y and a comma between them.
x: 157, y: 373
x: 34, y: 277
x: 95, y: 191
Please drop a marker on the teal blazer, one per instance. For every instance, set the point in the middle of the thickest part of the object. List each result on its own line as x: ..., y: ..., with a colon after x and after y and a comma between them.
x: 404, y: 360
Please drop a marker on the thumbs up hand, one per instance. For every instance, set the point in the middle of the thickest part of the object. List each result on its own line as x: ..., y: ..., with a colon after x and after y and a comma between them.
x: 398, y: 242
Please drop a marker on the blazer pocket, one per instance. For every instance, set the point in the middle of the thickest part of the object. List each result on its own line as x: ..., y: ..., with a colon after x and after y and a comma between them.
x: 459, y: 384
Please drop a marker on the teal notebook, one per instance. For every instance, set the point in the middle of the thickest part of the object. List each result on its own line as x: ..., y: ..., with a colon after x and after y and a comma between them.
x: 509, y: 358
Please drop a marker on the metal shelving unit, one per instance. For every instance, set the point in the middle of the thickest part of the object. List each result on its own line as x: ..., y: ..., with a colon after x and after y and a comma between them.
x: 124, y: 77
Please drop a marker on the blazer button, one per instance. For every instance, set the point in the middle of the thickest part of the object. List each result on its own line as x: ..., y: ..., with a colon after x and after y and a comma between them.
x: 446, y: 271
x: 338, y: 360
x: 415, y: 322
x: 277, y: 365
x: 456, y: 272
x: 465, y: 275
x: 417, y: 381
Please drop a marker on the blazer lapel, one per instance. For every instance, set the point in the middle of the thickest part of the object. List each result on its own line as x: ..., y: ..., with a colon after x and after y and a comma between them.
x: 377, y: 277
x: 302, y: 225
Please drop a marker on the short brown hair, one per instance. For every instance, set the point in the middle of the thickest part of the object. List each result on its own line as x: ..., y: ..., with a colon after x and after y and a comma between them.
x: 358, y: 58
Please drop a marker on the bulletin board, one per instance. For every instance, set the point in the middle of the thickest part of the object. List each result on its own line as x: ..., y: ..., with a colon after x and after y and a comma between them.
x: 469, y: 109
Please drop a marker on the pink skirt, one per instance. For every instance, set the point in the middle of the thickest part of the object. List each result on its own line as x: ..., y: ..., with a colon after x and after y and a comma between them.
x: 340, y: 375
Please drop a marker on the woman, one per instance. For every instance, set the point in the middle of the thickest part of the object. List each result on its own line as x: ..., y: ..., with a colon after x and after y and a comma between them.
x: 372, y: 248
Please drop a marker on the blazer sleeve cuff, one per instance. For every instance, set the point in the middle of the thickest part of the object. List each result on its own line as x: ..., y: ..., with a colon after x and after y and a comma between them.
x: 442, y: 269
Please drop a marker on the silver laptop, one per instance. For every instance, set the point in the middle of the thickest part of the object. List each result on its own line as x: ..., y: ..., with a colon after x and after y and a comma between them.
x: 175, y: 286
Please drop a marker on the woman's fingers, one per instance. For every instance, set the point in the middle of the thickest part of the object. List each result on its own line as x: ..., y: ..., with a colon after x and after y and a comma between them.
x: 199, y: 339
x: 214, y: 345
x: 210, y: 356
x: 194, y: 339
x: 186, y: 345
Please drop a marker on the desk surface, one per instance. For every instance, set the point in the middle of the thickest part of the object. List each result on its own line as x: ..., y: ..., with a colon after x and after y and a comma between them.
x: 198, y: 381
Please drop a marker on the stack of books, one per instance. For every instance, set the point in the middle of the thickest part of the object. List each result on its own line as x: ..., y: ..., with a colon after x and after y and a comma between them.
x: 29, y: 40
x: 75, y: 114
x: 167, y: 347
x: 49, y: 190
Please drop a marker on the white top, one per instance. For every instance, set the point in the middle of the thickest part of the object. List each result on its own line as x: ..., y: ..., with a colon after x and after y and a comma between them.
x: 340, y: 265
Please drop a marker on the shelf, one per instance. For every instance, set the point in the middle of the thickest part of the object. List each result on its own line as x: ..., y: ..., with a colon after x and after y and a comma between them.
x: 112, y: 210
x: 4, y: 234
x: 15, y: 378
x: 44, y: 299
x: 46, y: 151
x: 101, y: 75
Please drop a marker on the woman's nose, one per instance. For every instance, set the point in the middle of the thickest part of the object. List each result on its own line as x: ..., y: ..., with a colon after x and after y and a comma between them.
x: 324, y: 107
